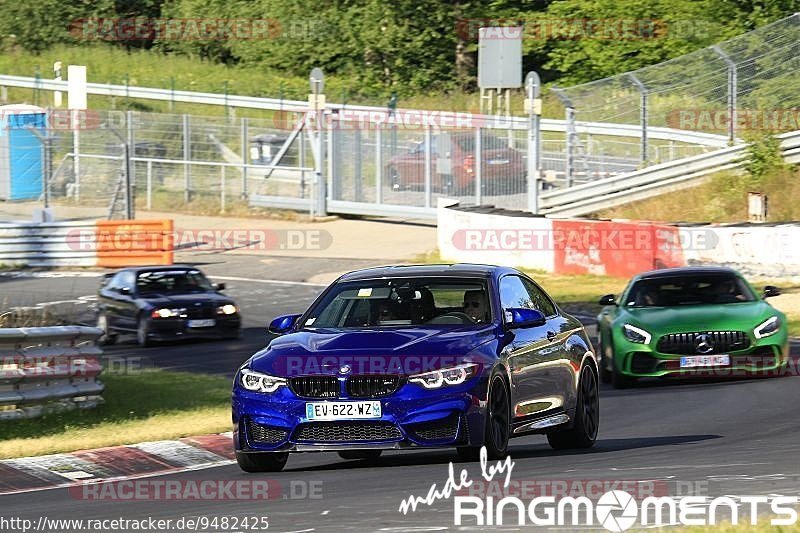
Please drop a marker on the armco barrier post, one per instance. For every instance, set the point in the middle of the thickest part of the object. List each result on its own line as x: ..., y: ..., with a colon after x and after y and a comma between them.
x: 49, y: 369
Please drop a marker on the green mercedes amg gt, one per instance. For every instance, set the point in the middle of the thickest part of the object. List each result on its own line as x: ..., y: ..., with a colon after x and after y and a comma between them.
x: 691, y: 321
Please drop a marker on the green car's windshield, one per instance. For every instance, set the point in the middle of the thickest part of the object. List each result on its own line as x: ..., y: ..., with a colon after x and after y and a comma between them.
x: 402, y: 302
x: 689, y: 290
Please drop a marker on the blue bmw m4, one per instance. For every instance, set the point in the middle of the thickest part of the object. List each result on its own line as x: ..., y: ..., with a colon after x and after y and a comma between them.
x: 408, y: 357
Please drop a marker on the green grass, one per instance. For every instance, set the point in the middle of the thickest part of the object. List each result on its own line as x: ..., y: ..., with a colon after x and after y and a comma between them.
x: 142, y: 406
x: 146, y: 68
x: 721, y: 198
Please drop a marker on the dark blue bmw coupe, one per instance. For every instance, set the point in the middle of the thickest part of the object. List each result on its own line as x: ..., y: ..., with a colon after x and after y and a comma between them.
x: 406, y: 357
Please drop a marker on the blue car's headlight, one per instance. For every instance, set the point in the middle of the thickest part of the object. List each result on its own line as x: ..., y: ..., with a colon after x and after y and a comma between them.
x: 769, y: 327
x: 637, y: 335
x: 447, y: 376
x: 257, y: 382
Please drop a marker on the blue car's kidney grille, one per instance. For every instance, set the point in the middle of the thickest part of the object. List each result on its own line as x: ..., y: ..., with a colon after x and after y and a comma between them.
x: 315, y: 386
x: 714, y: 342
x: 346, y: 432
x: 372, y: 386
x: 265, y: 434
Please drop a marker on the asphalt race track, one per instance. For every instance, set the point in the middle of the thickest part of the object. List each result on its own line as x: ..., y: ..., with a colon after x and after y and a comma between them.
x: 737, y: 437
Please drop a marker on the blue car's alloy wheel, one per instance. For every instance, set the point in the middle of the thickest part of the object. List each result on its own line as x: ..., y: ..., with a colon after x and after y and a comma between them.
x: 262, y: 462
x: 583, y: 432
x: 498, y: 425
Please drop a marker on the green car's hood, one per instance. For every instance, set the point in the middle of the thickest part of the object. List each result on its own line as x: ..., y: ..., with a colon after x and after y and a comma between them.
x: 720, y: 317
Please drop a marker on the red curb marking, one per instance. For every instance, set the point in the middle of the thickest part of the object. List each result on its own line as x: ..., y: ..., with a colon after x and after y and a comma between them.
x: 14, y: 479
x: 218, y: 444
x: 124, y: 461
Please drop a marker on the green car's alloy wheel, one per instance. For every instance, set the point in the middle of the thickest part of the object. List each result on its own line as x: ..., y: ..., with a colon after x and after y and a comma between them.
x: 583, y: 432
x: 262, y: 462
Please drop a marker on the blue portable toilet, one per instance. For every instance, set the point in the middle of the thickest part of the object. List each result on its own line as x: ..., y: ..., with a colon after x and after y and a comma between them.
x: 21, y: 151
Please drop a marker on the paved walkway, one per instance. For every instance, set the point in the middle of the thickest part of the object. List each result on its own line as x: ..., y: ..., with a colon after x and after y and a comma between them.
x: 379, y: 239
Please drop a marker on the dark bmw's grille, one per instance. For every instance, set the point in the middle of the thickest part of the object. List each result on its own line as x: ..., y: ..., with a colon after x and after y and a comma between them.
x: 201, y: 311
x: 439, y: 430
x: 265, y: 434
x: 714, y: 342
x: 372, y: 386
x: 315, y: 386
x: 346, y: 432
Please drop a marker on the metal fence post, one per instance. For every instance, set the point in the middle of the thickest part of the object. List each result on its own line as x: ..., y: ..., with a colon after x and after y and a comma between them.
x: 732, y: 83
x: 245, y: 155
x: 533, y: 85
x: 187, y: 183
x: 131, y: 165
x: 320, y: 181
x: 357, y: 164
x: 222, y: 188
x: 643, y: 118
x: 570, y: 134
x: 478, y: 166
x: 378, y: 163
x: 427, y: 160
x: 149, y: 184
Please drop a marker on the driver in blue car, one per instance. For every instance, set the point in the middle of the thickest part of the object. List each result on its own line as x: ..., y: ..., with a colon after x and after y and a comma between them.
x: 475, y: 306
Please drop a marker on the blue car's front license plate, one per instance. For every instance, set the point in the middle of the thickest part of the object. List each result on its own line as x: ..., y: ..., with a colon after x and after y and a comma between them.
x: 342, y: 410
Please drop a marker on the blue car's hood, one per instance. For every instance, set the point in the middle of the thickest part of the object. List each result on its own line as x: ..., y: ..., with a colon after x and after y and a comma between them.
x: 406, y: 350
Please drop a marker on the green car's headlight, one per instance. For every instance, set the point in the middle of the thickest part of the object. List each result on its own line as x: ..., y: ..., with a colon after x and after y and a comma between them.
x: 637, y: 335
x: 769, y: 327
x: 255, y: 381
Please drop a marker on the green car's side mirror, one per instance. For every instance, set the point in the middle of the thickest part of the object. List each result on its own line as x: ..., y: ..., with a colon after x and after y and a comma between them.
x: 608, y: 299
x: 770, y: 291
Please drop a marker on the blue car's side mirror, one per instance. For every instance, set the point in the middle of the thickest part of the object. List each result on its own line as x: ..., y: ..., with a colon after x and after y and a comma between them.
x: 282, y: 324
x: 522, y: 317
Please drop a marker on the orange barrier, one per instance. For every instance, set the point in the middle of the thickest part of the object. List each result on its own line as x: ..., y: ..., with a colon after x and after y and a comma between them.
x: 122, y: 243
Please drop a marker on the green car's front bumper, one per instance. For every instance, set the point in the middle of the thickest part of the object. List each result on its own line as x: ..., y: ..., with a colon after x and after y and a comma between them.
x: 765, y: 356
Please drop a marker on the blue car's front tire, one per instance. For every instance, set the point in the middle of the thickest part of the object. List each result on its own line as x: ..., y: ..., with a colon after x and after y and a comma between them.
x: 497, y: 423
x: 262, y: 462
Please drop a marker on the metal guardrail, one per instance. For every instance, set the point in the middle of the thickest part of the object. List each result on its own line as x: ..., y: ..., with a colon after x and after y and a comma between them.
x: 46, y: 244
x: 624, y: 188
x: 254, y: 102
x: 49, y: 369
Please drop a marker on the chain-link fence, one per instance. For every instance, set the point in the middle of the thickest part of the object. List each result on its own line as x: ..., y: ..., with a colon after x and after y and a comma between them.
x: 748, y: 83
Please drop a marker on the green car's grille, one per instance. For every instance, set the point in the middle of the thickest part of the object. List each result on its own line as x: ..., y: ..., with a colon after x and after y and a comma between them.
x: 703, y: 342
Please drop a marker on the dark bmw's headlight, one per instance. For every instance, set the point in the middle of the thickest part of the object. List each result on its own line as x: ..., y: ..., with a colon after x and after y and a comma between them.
x: 227, y: 309
x: 637, y: 335
x: 769, y: 327
x: 169, y: 313
x: 258, y: 382
x: 447, y: 376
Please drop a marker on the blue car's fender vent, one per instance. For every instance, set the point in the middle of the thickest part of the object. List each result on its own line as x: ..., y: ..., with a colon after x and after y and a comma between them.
x: 445, y: 429
x: 265, y: 434
x: 346, y: 432
x: 373, y: 386
x: 315, y: 386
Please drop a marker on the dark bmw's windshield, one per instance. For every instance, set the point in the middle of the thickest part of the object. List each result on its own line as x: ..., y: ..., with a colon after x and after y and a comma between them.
x: 172, y: 282
x: 689, y: 290
x: 402, y: 302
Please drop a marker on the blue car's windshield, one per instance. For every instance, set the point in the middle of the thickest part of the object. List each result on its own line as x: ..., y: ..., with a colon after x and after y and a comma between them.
x: 689, y: 290
x: 402, y: 302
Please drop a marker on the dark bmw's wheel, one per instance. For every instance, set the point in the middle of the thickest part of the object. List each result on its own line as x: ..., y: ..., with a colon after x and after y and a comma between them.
x: 498, y: 423
x: 142, y: 330
x: 262, y: 462
x: 368, y: 455
x: 107, y: 338
x: 583, y: 432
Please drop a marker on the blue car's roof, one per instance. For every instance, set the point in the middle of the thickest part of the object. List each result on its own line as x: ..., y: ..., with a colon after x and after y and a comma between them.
x: 412, y: 271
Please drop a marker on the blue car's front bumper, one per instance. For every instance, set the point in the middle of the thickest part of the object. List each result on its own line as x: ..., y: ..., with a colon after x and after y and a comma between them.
x: 411, y: 417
